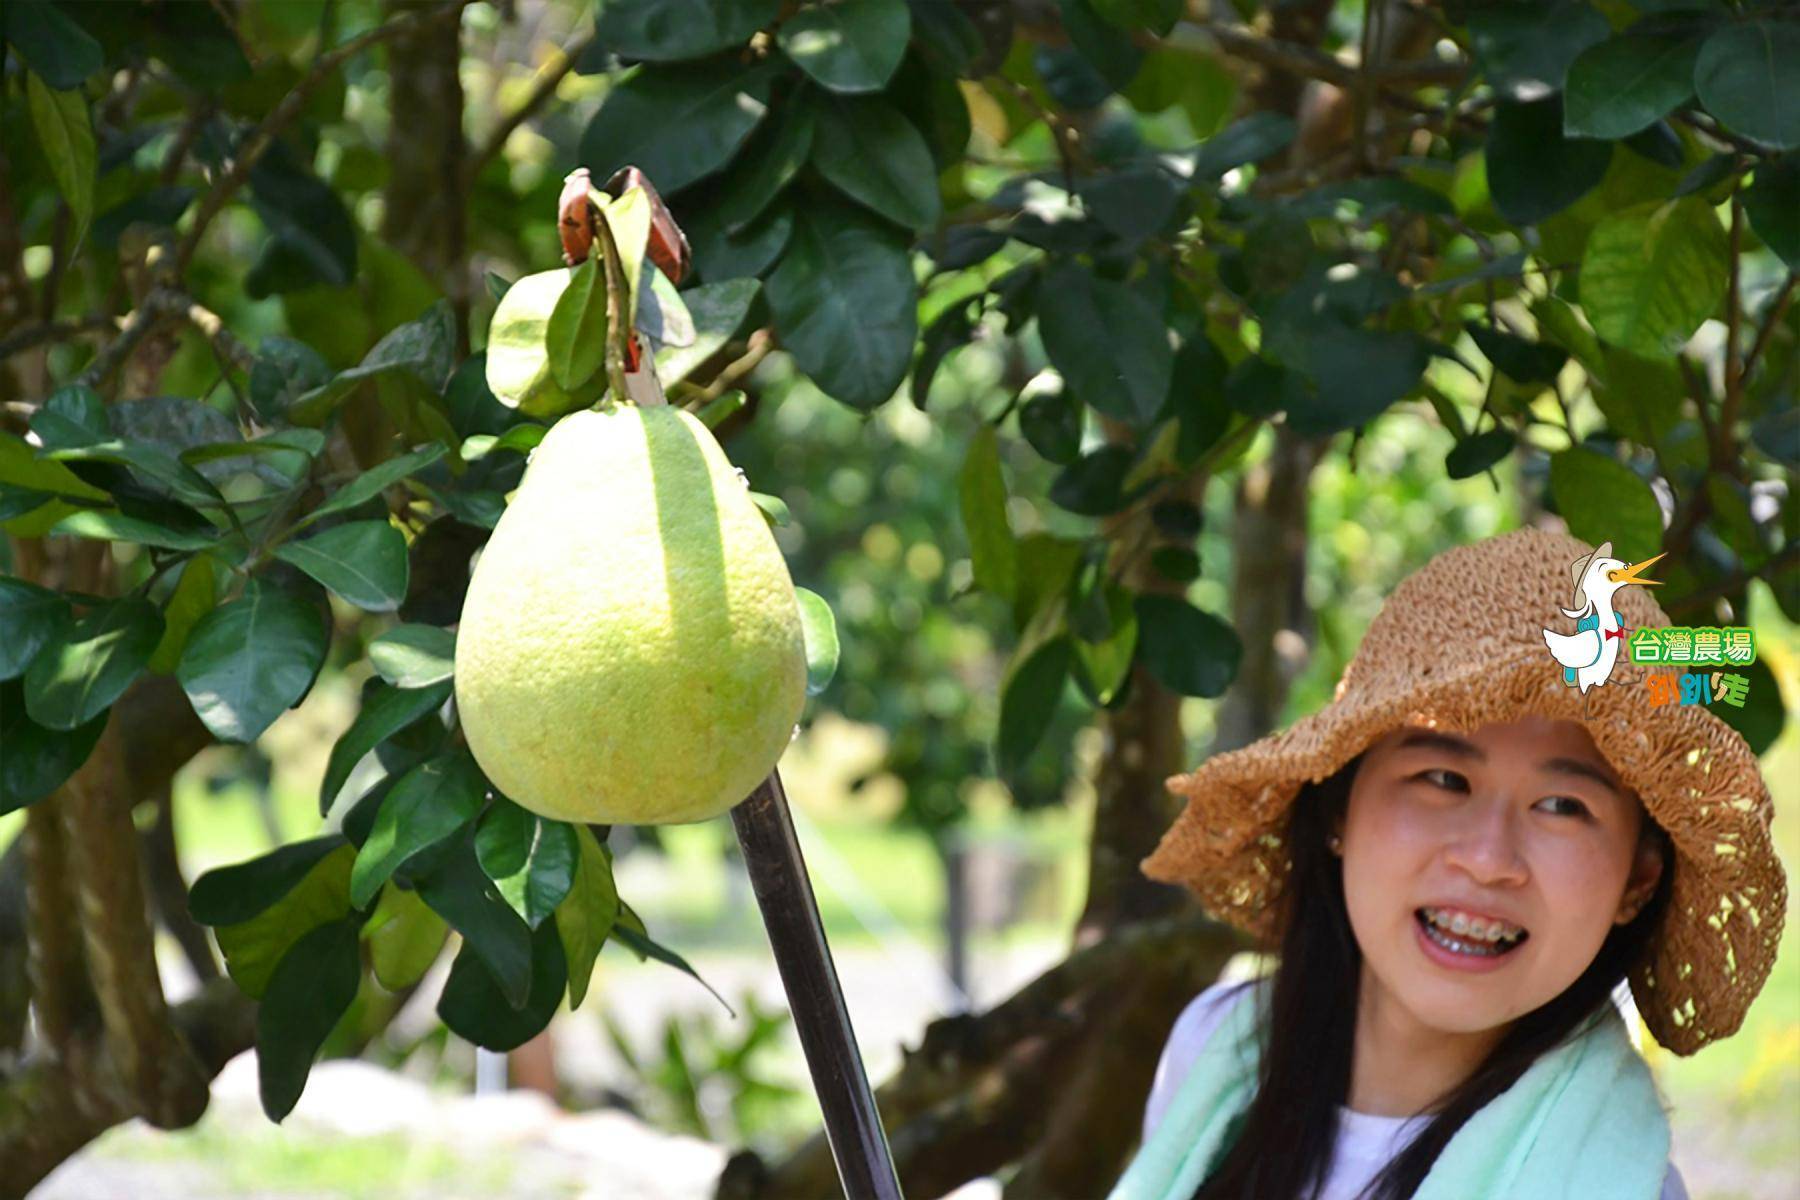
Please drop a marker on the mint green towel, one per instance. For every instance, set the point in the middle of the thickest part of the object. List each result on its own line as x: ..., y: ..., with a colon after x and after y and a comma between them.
x: 1582, y: 1123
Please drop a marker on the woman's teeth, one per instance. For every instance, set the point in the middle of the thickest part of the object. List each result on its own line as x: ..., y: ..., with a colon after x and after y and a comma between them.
x: 1462, y: 934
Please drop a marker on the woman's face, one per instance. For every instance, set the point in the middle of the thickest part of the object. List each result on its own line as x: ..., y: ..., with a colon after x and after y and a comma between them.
x: 1483, y: 871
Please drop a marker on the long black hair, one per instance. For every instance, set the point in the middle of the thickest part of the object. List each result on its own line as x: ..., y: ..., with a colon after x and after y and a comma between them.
x: 1283, y: 1144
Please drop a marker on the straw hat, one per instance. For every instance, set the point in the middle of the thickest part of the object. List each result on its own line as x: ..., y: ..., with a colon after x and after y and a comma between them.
x: 1460, y: 645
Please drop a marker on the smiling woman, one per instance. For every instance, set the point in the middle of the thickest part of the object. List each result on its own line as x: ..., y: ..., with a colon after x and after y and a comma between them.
x: 1459, y: 861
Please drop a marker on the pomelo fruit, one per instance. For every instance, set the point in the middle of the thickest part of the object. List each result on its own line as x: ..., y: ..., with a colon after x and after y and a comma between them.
x: 630, y: 649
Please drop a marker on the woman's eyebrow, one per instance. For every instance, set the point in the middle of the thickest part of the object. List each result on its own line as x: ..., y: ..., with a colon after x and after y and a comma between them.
x: 1462, y: 748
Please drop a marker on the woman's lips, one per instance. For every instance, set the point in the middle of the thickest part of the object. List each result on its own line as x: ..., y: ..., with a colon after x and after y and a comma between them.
x: 1451, y: 960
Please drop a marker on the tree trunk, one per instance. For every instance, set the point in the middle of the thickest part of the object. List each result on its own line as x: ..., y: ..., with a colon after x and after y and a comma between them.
x: 1268, y: 588
x: 422, y: 203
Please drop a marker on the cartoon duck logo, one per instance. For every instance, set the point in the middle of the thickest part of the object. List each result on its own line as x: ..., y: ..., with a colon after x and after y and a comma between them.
x: 1589, y: 654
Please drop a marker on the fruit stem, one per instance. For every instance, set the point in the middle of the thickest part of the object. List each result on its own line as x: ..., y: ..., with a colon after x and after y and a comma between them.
x: 618, y: 296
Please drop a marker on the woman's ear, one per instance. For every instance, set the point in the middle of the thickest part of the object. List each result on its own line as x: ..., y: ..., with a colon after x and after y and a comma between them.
x: 1647, y: 867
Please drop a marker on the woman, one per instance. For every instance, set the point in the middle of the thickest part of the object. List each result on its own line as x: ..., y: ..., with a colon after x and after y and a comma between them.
x: 1459, y: 860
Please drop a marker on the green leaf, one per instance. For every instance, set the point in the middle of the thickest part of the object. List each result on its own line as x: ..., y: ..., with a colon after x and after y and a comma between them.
x: 1051, y: 422
x: 819, y: 628
x: 1101, y: 667
x: 77, y: 677
x: 312, y: 237
x: 414, y: 656
x: 1652, y: 273
x: 774, y: 509
x: 1473, y: 455
x: 520, y: 438
x: 1748, y: 76
x: 843, y: 301
x: 1522, y: 360
x: 285, y: 370
x: 1028, y: 700
x: 61, y: 119
x: 1525, y: 47
x: 1094, y: 484
x: 307, y: 994
x: 429, y: 803
x: 586, y: 915
x: 769, y: 163
x: 671, y: 30
x: 851, y: 46
x: 1105, y: 49
x: 872, y: 154
x: 154, y: 466
x: 72, y: 416
x: 363, y: 562
x: 251, y: 659
x: 194, y: 596
x: 1157, y: 16
x: 51, y: 44
x: 628, y: 217
x: 117, y: 527
x: 630, y: 932
x: 1108, y: 341
x: 993, y: 552
x: 1602, y: 500
x: 460, y: 892
x: 476, y: 1010
x: 717, y: 311
x: 722, y: 256
x: 20, y: 467
x: 1250, y: 139
x: 31, y: 618
x: 575, y: 336
x: 233, y: 894
x: 253, y: 948
x: 662, y: 316
x: 1629, y: 82
x: 371, y: 482
x: 1188, y: 651
x: 37, y: 761
x: 950, y: 330
x: 1772, y: 203
x: 422, y: 348
x: 530, y: 858
x: 1177, y: 564
x: 385, y: 712
x: 1533, y: 171
x: 405, y: 938
x: 676, y: 124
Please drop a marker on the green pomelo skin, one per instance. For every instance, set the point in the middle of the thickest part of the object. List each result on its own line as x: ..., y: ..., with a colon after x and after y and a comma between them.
x: 630, y: 650
x: 518, y: 369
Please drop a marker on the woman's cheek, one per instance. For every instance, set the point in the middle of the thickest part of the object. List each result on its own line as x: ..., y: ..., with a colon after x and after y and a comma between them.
x: 1579, y: 882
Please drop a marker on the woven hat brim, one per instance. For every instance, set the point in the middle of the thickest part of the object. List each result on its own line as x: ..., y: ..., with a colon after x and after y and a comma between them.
x: 1697, y: 777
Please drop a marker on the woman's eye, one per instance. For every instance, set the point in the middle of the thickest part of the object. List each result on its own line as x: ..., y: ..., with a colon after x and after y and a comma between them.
x: 1566, y: 806
x: 1453, y: 780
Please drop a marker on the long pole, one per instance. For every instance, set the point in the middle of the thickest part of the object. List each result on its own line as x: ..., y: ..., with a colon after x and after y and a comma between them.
x: 765, y: 828
x: 765, y: 831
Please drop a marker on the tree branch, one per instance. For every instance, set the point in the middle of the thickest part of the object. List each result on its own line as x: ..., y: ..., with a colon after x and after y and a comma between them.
x: 163, y: 1081
x: 541, y: 91
x: 54, y: 331
x: 158, y: 305
x: 50, y: 1108
x: 259, y: 140
x: 1777, y: 310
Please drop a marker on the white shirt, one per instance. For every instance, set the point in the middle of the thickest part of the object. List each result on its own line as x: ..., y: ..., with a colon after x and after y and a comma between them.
x: 1365, y: 1143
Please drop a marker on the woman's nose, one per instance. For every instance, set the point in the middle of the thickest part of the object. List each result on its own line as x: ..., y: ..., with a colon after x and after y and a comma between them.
x: 1487, y: 847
